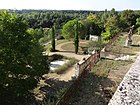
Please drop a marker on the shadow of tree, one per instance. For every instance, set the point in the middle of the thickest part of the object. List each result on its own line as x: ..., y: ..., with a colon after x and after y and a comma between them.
x: 10, y: 99
x: 93, y: 90
x: 135, y: 45
x: 54, y: 89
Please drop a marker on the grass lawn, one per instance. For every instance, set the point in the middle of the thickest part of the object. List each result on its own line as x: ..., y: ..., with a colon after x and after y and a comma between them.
x: 119, y: 45
x: 70, y: 46
x: 56, y: 43
x: 97, y: 87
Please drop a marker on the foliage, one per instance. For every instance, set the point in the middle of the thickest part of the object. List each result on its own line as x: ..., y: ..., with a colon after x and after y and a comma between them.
x: 127, y: 19
x: 47, y: 18
x: 106, y: 36
x: 53, y: 39
x: 111, y: 26
x: 45, y: 37
x: 92, y: 25
x: 138, y: 21
x: 91, y: 28
x: 68, y: 30
x: 21, y: 60
x: 76, y: 38
x: 138, y: 25
x: 139, y: 30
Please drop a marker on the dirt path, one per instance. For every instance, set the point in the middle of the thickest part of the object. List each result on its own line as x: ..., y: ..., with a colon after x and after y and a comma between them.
x: 66, y: 76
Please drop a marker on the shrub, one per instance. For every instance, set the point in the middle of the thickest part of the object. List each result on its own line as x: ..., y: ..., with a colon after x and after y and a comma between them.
x: 139, y: 30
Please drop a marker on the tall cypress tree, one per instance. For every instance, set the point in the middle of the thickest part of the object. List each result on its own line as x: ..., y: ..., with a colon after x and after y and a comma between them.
x: 76, y: 38
x: 53, y: 38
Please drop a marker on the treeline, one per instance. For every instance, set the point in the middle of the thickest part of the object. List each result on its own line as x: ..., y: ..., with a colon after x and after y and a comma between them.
x: 105, y: 23
x: 46, y: 18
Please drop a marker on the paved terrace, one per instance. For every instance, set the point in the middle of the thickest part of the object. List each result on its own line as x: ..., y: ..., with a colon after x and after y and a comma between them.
x: 128, y: 92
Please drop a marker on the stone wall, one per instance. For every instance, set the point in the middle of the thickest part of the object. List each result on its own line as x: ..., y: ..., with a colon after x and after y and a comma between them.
x: 128, y: 92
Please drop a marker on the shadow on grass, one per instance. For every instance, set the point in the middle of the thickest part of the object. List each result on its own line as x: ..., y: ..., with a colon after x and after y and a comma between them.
x: 10, y: 99
x: 93, y: 90
x: 53, y: 90
x: 135, y: 45
x: 66, y: 51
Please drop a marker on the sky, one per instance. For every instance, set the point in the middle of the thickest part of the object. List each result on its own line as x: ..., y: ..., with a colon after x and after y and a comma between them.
x: 71, y: 4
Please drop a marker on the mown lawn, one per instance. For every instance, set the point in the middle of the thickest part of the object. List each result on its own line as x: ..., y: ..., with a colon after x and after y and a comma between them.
x: 56, y: 43
x: 70, y: 46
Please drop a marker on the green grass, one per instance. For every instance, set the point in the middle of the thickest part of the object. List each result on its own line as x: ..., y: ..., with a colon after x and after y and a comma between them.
x: 47, y: 47
x: 70, y: 46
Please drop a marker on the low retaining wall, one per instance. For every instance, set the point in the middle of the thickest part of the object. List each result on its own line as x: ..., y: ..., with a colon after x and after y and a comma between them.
x: 128, y: 92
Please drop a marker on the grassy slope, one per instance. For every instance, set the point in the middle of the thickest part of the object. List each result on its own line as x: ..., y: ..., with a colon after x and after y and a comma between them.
x: 96, y: 88
x: 119, y: 45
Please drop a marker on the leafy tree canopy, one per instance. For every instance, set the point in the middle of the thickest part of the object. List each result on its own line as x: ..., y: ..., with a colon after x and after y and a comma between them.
x: 68, y: 30
x: 21, y: 60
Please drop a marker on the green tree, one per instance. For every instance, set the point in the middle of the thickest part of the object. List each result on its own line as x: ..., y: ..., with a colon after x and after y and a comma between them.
x: 68, y: 30
x: 138, y: 25
x: 53, y: 39
x: 111, y: 28
x: 112, y: 25
x: 138, y: 22
x: 22, y: 63
x: 127, y: 19
x: 76, y: 38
